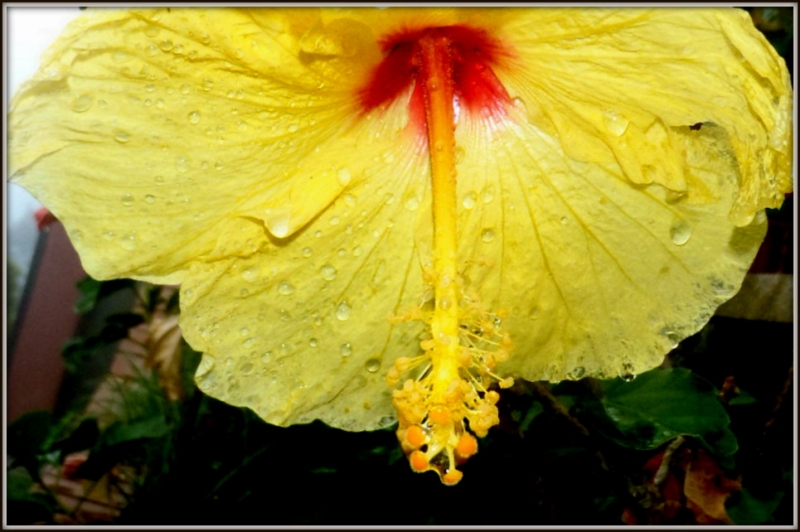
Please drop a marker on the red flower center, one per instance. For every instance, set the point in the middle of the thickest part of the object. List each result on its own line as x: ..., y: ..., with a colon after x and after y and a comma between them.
x: 471, y: 55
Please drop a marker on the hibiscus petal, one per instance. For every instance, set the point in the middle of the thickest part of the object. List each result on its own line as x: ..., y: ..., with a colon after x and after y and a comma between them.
x: 609, y: 211
x: 612, y: 83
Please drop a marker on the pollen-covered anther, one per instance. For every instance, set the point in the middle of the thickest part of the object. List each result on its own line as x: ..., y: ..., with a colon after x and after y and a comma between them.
x: 452, y: 477
x: 419, y: 462
x: 467, y: 446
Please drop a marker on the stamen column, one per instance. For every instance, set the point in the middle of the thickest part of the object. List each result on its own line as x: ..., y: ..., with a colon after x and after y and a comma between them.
x: 435, y: 62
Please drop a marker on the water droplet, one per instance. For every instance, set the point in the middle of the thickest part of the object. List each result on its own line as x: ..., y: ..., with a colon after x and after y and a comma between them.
x: 244, y: 331
x: 615, y: 123
x: 373, y: 365
x: 469, y: 200
x: 389, y: 198
x: 129, y: 241
x: 334, y: 220
x: 285, y: 288
x: 185, y: 88
x: 350, y: 200
x: 160, y: 103
x: 159, y: 180
x: 121, y: 136
x: 343, y: 311
x: 165, y: 45
x: 206, y: 365
x: 357, y: 251
x: 150, y: 87
x: 307, y: 252
x: 313, y: 342
x: 343, y: 175
x: 247, y: 368
x: 182, y: 163
x: 266, y: 357
x: 292, y: 128
x: 680, y: 232
x: 152, y: 50
x: 153, y: 31
x: 127, y: 200
x: 218, y: 165
x: 459, y: 154
x: 564, y: 220
x: 412, y: 203
x: 577, y: 373
x: 101, y: 104
x: 239, y: 53
x: 82, y: 103
x: 194, y: 117
x: 208, y: 84
x: 346, y: 349
x: 488, y: 235
x: 626, y: 373
x: 487, y: 195
x: 250, y: 274
x: 328, y: 272
x: 249, y: 342
x: 150, y: 199
x: 278, y: 223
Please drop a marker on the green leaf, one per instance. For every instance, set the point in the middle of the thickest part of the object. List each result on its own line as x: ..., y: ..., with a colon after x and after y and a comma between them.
x: 149, y: 427
x: 745, y: 509
x: 91, y: 291
x: 25, y: 507
x: 663, y: 404
x: 27, y: 434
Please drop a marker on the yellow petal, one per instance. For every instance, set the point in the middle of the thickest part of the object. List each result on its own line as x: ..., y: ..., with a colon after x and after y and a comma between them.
x: 226, y: 150
x: 612, y: 83
x: 599, y: 278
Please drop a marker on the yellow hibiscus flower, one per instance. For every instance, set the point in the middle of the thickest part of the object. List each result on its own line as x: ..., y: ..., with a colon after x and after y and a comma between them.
x: 437, y: 198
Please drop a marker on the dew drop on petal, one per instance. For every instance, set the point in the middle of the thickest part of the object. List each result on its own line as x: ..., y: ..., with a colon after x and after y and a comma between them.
x: 121, y: 136
x: 150, y: 199
x: 487, y: 195
x: 244, y: 331
x: 307, y: 252
x: 82, y: 103
x: 328, y: 272
x: 206, y: 365
x: 488, y: 235
x: 343, y: 311
x: 250, y: 274
x: 373, y: 365
x: 564, y: 220
x: 615, y: 123
x: 412, y: 203
x: 343, y: 176
x: 285, y: 288
x: 680, y: 232
x: 129, y: 241
x: 469, y: 200
x: 312, y: 342
x: 127, y: 200
x: 194, y: 117
x: 159, y: 180
x: 346, y: 349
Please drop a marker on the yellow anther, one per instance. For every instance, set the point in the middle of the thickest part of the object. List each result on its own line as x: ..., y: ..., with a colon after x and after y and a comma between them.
x: 415, y: 436
x: 467, y: 445
x: 419, y: 462
x: 439, y: 415
x: 452, y: 477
